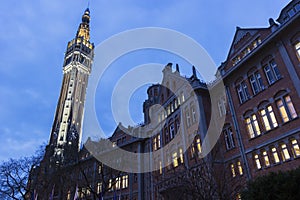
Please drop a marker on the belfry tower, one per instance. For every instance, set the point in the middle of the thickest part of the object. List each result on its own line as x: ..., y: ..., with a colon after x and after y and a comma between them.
x: 66, y: 131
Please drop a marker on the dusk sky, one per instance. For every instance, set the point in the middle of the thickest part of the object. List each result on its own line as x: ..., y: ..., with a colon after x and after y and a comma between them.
x: 34, y: 35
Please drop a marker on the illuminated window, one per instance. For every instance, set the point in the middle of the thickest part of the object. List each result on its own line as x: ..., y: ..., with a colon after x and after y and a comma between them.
x: 110, y: 185
x: 291, y: 109
x: 275, y: 155
x: 286, y: 108
x: 88, y: 191
x: 256, y: 83
x: 232, y: 170
x: 192, y: 151
x: 99, y: 188
x: 242, y: 90
x: 158, y: 141
x: 272, y: 71
x: 118, y: 183
x: 124, y: 181
x: 285, y: 153
x: 181, y: 155
x: 297, y: 47
x: 182, y: 97
x: 229, y: 139
x: 178, y: 101
x: 99, y: 169
x: 114, y: 144
x: 252, y: 126
x: 266, y: 159
x: 198, y: 145
x: 160, y: 167
x: 257, y: 161
x: 154, y: 144
x: 69, y: 195
x: 268, y: 118
x: 175, y: 159
x: 168, y: 110
x: 296, y: 149
x: 240, y: 168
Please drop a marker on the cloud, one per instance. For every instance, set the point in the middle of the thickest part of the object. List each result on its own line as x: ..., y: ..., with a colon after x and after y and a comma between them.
x: 16, y: 143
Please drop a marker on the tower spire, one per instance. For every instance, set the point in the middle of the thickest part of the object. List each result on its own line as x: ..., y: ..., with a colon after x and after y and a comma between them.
x: 84, y: 27
x: 66, y: 131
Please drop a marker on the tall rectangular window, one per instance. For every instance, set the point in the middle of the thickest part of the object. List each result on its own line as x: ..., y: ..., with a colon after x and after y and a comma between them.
x: 181, y: 155
x: 124, y: 181
x: 232, y: 170
x: 268, y: 118
x: 275, y: 155
x: 242, y: 90
x: 175, y: 159
x: 198, y: 145
x: 158, y: 141
x: 266, y: 159
x: 154, y: 144
x: 229, y: 139
x: 296, y: 149
x: 252, y: 126
x: 188, y: 117
x: 194, y: 116
x: 257, y: 161
x: 222, y: 106
x: 256, y: 83
x: 285, y: 153
x: 99, y: 187
x: 240, y: 168
x: 291, y: 109
x: 110, y: 186
x: 160, y: 167
x: 272, y: 71
x: 118, y: 183
x: 286, y: 108
x: 172, y: 131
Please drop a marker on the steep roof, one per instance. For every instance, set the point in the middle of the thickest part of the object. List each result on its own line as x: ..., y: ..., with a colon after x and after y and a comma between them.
x: 241, y: 36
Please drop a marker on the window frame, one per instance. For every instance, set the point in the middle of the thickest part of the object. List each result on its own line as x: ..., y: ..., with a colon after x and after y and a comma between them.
x: 286, y: 108
x: 275, y: 155
x: 229, y: 139
x: 272, y: 72
x: 242, y: 91
x: 295, y: 148
x: 252, y: 126
x: 256, y: 81
x: 285, y: 154
x: 267, y: 162
x: 257, y: 162
x: 268, y: 118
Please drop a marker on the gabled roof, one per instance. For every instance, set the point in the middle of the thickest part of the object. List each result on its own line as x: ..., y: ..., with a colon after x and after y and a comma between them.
x: 240, y: 33
x: 117, y: 131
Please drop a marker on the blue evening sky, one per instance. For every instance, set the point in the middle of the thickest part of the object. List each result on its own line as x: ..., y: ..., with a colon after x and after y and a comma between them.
x: 34, y: 35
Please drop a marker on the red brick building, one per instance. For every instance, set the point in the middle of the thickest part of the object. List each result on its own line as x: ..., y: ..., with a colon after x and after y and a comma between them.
x: 261, y: 133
